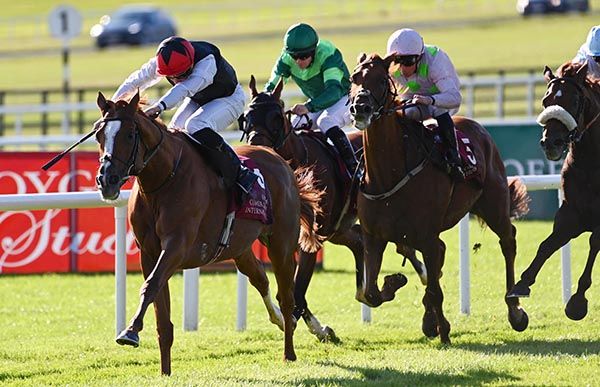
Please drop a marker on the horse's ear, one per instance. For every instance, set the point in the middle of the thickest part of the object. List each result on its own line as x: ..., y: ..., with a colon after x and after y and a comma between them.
x: 278, y: 88
x: 101, y: 102
x: 548, y: 74
x: 389, y: 59
x: 361, y: 57
x: 135, y: 100
x: 252, y: 86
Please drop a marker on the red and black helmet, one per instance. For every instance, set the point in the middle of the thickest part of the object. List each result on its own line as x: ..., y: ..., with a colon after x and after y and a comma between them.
x: 175, y: 55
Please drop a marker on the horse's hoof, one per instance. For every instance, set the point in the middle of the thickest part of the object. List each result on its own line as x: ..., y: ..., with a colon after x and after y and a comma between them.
x: 519, y: 290
x: 429, y: 325
x: 289, y: 357
x: 518, y: 323
x: 127, y: 337
x: 392, y: 283
x: 329, y: 336
x: 576, y: 308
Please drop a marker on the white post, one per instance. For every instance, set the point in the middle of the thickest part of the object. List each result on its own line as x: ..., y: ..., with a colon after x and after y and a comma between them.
x: 565, y: 257
x: 191, y: 279
x: 242, y: 301
x: 120, y: 267
x: 464, y: 272
x: 365, y: 313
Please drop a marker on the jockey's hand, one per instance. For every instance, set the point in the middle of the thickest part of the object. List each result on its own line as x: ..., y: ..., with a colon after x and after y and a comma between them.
x: 299, y: 109
x: 422, y: 99
x: 153, y: 111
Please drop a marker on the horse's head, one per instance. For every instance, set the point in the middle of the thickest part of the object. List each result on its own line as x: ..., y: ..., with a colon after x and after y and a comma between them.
x: 264, y: 122
x: 370, y: 91
x: 564, y: 104
x: 119, y: 138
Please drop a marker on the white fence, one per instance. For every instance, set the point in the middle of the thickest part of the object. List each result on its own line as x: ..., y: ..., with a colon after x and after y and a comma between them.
x: 18, y: 202
x: 499, y: 84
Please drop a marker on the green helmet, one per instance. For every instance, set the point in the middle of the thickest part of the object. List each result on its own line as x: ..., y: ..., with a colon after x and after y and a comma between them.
x: 300, y: 38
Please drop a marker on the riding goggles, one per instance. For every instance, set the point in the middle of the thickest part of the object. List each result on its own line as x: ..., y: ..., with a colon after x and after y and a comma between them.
x: 302, y: 55
x: 596, y: 59
x: 407, y: 60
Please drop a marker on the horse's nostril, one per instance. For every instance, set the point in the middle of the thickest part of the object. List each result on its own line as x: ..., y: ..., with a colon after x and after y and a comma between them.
x: 113, y: 179
x: 367, y: 109
x: 542, y: 142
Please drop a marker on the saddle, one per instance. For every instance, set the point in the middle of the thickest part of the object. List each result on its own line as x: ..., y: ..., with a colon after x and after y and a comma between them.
x: 440, y: 148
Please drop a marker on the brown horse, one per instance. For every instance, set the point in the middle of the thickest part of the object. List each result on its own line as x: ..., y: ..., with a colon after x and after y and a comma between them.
x: 266, y: 123
x: 406, y: 198
x: 177, y: 210
x: 570, y: 120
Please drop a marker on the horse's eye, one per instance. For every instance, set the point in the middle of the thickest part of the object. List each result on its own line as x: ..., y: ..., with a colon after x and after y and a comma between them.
x: 130, y: 136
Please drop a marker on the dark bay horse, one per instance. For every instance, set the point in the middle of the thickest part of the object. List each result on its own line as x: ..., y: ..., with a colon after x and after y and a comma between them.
x: 266, y: 123
x: 571, y: 121
x: 177, y: 211
x: 405, y: 198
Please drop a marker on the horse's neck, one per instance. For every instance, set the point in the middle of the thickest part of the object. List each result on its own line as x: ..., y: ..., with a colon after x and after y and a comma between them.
x: 162, y: 162
x: 385, y: 153
x: 293, y: 149
x: 585, y: 152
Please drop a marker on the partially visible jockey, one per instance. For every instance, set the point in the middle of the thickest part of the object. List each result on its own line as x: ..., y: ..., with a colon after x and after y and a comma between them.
x: 211, y: 99
x: 319, y: 70
x: 426, y: 76
x: 590, y: 52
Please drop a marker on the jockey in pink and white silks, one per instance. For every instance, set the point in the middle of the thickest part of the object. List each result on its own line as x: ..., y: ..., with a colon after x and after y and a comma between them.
x: 205, y: 87
x: 590, y: 52
x: 426, y: 77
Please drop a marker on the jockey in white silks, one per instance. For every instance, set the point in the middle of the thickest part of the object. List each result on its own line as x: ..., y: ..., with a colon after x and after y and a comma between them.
x: 590, y: 52
x: 426, y: 77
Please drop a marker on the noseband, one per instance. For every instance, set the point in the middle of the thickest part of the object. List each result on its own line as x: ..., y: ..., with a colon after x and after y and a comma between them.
x: 558, y: 112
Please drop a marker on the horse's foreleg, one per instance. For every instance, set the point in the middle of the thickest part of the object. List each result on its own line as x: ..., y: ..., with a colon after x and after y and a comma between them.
x: 158, y: 277
x: 577, y: 306
x: 434, y: 321
x: 164, y: 328
x: 373, y: 256
x: 566, y: 227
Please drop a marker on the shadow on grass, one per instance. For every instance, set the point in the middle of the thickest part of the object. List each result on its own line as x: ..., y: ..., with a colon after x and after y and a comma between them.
x: 24, y: 375
x: 572, y: 347
x: 365, y: 376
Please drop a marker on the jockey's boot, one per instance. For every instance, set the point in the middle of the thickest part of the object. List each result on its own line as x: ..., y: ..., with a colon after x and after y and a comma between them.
x: 344, y: 148
x: 225, y: 161
x: 446, y: 126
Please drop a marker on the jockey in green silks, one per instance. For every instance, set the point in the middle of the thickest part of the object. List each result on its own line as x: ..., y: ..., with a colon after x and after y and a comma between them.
x: 318, y: 69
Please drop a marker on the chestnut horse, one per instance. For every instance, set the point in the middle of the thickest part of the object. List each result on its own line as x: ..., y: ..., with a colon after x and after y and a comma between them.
x: 266, y: 123
x: 406, y: 198
x: 177, y: 211
x: 571, y: 120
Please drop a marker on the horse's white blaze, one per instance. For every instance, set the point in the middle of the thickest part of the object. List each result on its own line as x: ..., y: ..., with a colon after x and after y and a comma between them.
x: 559, y: 113
x: 110, y: 132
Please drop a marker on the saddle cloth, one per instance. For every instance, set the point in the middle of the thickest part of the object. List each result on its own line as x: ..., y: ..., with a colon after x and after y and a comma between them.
x: 257, y: 204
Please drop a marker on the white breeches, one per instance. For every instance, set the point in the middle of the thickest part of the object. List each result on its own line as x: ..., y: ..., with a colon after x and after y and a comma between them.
x: 337, y: 114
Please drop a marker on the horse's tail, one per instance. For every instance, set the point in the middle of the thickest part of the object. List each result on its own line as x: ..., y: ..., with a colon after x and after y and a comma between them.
x: 519, y: 198
x: 310, y: 197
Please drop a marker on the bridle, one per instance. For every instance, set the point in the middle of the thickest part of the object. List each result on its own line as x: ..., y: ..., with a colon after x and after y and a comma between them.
x: 577, y: 130
x: 276, y: 136
x: 376, y: 105
x: 130, y: 163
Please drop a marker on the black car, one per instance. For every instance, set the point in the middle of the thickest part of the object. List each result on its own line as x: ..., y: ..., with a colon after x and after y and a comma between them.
x: 133, y: 25
x: 530, y: 7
